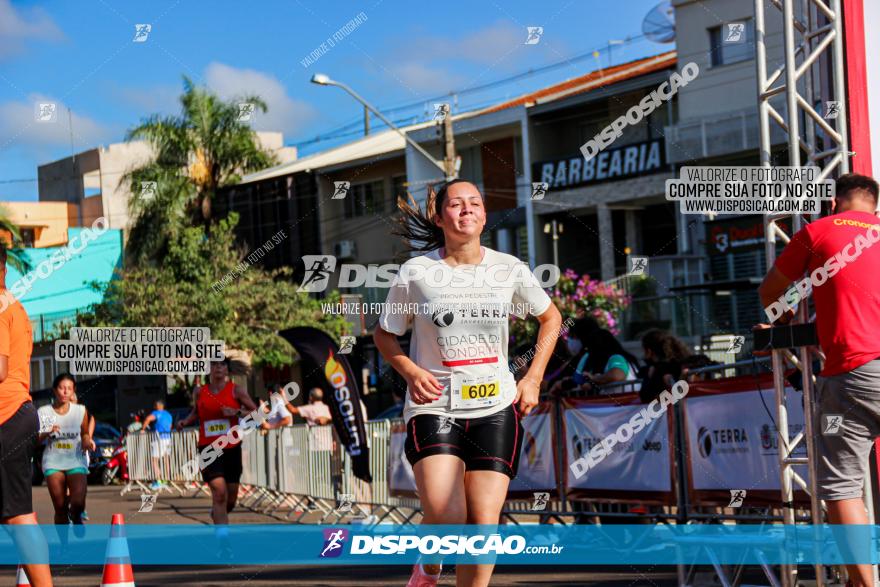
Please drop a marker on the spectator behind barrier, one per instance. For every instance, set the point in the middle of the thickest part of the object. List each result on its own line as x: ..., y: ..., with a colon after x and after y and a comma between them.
x: 601, y: 360
x: 278, y: 414
x: 316, y: 412
x: 565, y: 375
x: 665, y: 356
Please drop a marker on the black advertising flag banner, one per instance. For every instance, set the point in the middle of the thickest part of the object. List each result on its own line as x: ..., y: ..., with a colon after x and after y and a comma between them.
x: 341, y: 393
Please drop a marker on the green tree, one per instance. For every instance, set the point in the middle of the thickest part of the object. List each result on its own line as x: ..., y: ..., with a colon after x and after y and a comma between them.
x: 205, y: 280
x: 204, y: 148
x: 15, y: 254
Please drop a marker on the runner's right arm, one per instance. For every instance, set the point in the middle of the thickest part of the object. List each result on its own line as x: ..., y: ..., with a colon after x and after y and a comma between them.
x: 422, y: 385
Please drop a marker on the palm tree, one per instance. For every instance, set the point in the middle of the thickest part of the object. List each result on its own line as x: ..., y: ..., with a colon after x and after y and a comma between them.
x: 204, y: 148
x: 15, y: 255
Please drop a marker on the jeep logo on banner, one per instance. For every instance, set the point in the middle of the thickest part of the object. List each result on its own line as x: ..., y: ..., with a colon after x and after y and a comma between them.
x: 612, y: 164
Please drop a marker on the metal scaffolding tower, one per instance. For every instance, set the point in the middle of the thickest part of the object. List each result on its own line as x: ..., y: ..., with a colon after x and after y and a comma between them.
x: 810, y: 76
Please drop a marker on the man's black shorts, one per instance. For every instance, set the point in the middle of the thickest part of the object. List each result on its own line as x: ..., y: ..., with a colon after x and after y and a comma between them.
x: 490, y: 443
x: 18, y: 440
x: 227, y: 465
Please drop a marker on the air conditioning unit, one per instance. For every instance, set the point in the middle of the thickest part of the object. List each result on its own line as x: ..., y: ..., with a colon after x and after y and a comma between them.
x: 345, y: 249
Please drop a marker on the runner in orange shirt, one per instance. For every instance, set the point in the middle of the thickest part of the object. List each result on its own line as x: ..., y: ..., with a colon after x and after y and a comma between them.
x: 19, y: 427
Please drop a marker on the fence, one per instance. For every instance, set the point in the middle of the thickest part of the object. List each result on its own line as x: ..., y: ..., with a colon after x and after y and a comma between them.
x: 672, y: 474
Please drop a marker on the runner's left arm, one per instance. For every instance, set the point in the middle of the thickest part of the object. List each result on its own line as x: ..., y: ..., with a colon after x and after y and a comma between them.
x: 529, y: 387
x: 244, y: 398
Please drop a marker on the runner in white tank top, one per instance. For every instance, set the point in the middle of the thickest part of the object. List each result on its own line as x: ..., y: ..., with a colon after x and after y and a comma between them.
x: 64, y: 428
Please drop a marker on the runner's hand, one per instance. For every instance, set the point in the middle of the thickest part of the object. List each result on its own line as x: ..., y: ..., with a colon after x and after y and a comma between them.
x: 423, y: 387
x: 527, y: 392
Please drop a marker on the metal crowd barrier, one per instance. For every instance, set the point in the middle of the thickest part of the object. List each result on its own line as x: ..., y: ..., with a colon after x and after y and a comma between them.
x: 301, y: 473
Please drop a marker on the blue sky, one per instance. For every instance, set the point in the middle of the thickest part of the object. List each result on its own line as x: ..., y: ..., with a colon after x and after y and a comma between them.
x: 81, y: 55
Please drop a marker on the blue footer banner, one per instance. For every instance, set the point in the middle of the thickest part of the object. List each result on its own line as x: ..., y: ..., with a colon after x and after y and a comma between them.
x: 149, y: 544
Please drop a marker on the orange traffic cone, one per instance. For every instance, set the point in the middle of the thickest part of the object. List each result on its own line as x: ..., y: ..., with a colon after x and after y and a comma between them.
x: 117, y: 562
x: 21, y: 578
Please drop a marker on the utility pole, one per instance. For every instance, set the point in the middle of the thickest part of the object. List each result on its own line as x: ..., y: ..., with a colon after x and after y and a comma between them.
x: 449, y: 144
x: 366, y: 121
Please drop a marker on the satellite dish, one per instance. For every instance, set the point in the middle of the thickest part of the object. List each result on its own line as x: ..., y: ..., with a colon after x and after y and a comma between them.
x: 659, y: 24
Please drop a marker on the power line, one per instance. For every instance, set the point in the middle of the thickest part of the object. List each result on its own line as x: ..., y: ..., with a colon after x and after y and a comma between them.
x: 592, y: 54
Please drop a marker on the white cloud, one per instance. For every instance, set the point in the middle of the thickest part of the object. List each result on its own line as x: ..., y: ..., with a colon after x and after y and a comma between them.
x: 16, y: 28
x: 19, y: 126
x: 285, y: 114
x: 155, y: 100
x: 419, y: 78
x: 427, y: 64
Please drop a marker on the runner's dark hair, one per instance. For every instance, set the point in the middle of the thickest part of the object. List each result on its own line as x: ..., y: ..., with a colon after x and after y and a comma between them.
x: 418, y: 228
x: 61, y: 377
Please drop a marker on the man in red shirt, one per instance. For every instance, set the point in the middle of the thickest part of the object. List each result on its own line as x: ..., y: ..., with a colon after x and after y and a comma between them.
x: 840, y: 255
x: 19, y: 427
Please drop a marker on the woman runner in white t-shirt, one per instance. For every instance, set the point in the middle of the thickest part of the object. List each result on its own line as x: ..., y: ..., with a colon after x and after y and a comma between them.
x: 463, y: 405
x: 64, y: 426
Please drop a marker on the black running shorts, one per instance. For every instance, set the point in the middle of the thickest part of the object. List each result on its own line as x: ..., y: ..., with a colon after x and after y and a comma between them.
x: 490, y: 443
x: 227, y: 465
x: 18, y: 441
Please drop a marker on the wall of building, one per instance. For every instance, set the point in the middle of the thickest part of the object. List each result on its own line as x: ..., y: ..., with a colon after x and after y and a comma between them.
x: 725, y: 88
x: 370, y: 232
x: 49, y: 221
x: 62, y: 180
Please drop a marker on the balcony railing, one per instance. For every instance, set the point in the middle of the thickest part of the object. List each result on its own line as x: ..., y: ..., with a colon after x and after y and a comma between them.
x: 51, y: 326
x: 701, y: 138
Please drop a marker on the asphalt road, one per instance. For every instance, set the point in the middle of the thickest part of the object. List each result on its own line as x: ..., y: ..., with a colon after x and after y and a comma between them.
x: 175, y: 509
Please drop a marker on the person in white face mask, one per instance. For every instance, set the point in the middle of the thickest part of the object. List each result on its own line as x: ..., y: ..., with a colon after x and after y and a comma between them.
x: 571, y: 373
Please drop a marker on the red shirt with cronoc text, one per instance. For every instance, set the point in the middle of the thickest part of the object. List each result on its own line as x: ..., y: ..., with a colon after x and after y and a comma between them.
x: 847, y: 304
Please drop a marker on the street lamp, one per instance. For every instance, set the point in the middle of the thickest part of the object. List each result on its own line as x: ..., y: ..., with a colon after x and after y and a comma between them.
x: 324, y: 80
x: 554, y: 228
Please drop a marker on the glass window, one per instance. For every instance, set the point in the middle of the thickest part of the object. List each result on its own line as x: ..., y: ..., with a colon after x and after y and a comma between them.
x: 365, y: 198
x: 731, y: 43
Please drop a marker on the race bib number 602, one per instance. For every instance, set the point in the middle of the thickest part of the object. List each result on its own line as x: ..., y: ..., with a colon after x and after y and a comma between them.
x: 475, y: 392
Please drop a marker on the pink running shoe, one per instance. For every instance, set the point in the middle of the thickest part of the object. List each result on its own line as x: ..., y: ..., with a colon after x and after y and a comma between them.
x: 421, y: 579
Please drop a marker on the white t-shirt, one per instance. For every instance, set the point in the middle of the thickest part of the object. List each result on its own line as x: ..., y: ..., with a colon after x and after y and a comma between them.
x: 278, y: 409
x: 459, y: 317
x: 64, y: 450
x: 311, y: 413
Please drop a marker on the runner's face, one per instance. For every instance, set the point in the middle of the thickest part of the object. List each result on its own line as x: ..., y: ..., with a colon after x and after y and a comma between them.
x: 219, y: 372
x: 64, y: 391
x: 462, y: 215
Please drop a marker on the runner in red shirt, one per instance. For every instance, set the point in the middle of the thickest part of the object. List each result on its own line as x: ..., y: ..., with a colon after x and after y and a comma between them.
x: 842, y: 260
x: 217, y: 407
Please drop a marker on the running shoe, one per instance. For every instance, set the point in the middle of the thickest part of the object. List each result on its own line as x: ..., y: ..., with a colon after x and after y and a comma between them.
x: 155, y: 486
x: 420, y: 578
x: 85, y: 516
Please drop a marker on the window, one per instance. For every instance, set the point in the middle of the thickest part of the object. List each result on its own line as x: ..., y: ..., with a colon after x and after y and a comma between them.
x: 365, y: 198
x: 27, y: 237
x: 43, y: 371
x: 729, y: 43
